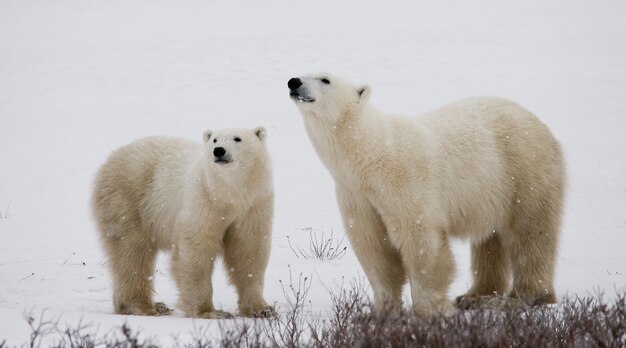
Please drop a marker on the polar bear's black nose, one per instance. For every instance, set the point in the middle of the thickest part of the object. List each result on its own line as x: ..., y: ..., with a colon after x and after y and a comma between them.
x: 294, y: 83
x: 219, y: 152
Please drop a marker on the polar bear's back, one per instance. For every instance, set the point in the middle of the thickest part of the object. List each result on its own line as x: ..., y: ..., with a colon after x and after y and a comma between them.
x: 139, y: 163
x: 151, y: 153
x: 141, y: 183
x: 494, y: 126
x: 489, y: 114
x: 492, y: 155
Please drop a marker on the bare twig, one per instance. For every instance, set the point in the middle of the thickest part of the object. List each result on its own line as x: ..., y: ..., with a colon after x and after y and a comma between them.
x: 5, y: 215
x: 28, y: 276
x: 288, y: 328
x: 39, y: 328
x: 320, y: 248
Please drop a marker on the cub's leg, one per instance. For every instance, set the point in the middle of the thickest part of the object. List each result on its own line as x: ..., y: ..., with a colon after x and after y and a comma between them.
x: 132, y: 260
x: 130, y: 250
x: 193, y: 258
x: 246, y: 253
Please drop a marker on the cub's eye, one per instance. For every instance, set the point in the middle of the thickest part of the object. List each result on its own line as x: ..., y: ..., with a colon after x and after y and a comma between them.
x: 326, y: 81
x: 237, y: 139
x: 215, y: 140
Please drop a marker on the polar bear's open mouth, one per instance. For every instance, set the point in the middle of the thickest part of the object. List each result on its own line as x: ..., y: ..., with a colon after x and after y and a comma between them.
x: 296, y: 96
x: 222, y: 161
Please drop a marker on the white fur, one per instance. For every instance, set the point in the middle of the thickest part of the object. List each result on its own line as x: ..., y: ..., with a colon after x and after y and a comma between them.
x: 170, y: 194
x: 484, y: 169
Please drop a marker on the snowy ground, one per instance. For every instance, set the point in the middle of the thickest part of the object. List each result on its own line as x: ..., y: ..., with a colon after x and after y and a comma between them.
x: 81, y: 78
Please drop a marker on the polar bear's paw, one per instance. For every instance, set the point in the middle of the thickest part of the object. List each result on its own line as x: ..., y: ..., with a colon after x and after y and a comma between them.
x: 497, y: 302
x: 428, y: 309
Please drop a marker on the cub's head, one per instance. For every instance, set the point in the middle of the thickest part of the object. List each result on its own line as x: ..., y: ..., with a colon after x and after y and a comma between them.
x: 235, y: 148
x: 327, y: 96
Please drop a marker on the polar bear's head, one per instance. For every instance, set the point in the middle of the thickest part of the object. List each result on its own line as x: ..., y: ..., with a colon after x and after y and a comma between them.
x: 327, y: 96
x: 235, y: 148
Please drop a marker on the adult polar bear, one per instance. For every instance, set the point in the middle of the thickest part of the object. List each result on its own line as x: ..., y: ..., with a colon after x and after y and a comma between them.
x: 482, y: 168
x: 200, y: 201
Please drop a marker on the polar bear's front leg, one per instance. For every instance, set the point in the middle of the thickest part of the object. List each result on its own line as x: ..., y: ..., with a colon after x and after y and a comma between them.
x: 381, y: 262
x: 429, y: 263
x: 193, y: 258
x: 246, y: 253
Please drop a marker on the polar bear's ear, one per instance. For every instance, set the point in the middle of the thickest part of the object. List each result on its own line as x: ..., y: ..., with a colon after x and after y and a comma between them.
x: 207, y: 135
x: 260, y: 132
x: 364, y: 93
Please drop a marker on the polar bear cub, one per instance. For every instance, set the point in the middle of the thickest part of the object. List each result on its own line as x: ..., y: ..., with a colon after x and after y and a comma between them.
x: 198, y: 200
x: 483, y: 169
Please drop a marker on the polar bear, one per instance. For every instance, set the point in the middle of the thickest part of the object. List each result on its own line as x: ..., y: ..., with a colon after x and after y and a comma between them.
x: 198, y: 200
x: 483, y: 169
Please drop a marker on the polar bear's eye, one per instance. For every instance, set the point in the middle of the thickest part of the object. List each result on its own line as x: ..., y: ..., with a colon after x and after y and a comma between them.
x: 215, y: 140
x: 325, y: 80
x: 237, y: 139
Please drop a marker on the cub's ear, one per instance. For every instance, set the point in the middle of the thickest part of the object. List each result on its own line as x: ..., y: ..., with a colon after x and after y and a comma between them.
x: 207, y: 135
x: 260, y: 132
x: 364, y: 93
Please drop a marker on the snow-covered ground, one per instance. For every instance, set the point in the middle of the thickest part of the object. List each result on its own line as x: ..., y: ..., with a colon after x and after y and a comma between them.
x: 81, y: 78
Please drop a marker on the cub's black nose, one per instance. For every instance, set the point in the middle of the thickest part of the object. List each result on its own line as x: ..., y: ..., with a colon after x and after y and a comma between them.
x: 219, y: 152
x: 294, y: 83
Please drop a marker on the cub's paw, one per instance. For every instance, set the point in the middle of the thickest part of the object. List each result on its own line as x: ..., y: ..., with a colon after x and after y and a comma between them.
x: 265, y: 312
x: 162, y: 309
x: 216, y: 314
x: 260, y: 311
x: 156, y: 309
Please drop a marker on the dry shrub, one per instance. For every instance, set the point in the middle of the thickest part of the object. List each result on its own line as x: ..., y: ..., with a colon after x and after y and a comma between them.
x: 575, y: 322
